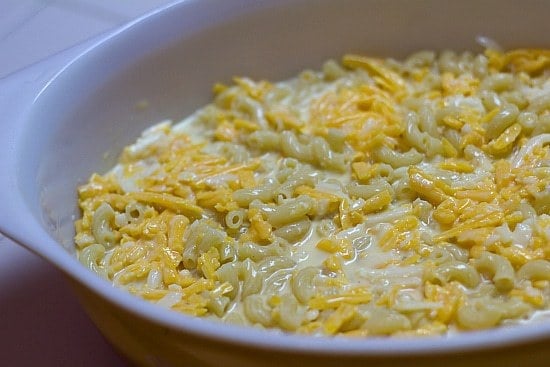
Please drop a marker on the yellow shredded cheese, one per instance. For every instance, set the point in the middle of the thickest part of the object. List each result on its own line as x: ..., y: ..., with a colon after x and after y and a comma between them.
x: 373, y: 197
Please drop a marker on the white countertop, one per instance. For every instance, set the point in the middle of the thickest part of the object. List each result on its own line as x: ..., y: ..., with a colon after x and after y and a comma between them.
x: 41, y: 322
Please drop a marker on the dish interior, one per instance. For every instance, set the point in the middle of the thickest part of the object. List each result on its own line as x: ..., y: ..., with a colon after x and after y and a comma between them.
x: 163, y: 68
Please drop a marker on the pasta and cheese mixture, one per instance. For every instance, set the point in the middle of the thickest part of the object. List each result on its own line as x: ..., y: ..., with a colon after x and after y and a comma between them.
x: 373, y: 197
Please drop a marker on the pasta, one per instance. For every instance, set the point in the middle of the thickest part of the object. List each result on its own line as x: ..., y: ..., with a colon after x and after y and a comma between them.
x: 373, y: 197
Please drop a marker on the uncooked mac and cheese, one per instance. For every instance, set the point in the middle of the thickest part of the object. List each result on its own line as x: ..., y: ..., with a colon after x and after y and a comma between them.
x: 372, y: 197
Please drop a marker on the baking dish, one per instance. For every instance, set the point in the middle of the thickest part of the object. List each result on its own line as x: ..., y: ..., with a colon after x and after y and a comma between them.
x: 69, y: 116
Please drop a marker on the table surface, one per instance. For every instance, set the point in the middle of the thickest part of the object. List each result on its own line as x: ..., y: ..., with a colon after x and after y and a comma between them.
x: 41, y: 322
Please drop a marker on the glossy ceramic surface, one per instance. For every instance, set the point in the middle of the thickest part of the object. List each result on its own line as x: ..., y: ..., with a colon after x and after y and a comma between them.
x: 70, y: 116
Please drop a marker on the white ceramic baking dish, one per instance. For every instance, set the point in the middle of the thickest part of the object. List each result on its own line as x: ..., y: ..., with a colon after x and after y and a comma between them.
x: 70, y: 115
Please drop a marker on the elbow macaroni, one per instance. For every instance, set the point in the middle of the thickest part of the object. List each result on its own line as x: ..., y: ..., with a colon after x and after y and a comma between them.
x: 374, y: 197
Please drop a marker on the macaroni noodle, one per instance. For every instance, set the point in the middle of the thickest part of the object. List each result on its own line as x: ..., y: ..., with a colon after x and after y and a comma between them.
x: 373, y: 197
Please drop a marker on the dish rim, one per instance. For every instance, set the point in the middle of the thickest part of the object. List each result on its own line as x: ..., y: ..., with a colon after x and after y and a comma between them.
x: 40, y: 241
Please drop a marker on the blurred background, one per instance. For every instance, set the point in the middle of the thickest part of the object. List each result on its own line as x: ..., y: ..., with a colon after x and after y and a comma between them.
x: 41, y: 323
